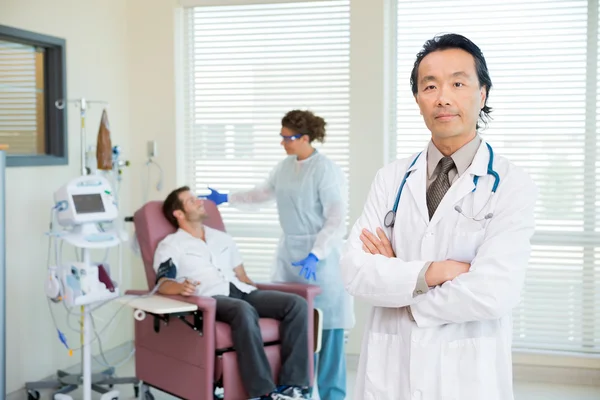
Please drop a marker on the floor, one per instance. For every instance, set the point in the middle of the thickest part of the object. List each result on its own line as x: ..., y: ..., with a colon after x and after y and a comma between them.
x: 523, y: 390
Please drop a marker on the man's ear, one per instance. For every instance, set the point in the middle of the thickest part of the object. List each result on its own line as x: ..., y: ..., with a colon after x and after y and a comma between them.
x: 483, y: 96
x: 178, y: 214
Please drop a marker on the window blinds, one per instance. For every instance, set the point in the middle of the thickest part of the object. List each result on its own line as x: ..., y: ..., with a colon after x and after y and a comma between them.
x: 21, y: 98
x: 543, y: 60
x: 245, y: 66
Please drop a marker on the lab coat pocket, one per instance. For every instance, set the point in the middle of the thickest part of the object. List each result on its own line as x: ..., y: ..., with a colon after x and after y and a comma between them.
x: 465, y: 241
x: 382, y: 374
x: 469, y: 369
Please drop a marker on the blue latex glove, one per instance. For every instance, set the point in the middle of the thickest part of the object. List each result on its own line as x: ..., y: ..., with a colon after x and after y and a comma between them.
x: 309, y: 267
x: 216, y: 197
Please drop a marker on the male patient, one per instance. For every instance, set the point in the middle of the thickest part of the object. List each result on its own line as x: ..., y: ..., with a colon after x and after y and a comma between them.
x: 212, y: 265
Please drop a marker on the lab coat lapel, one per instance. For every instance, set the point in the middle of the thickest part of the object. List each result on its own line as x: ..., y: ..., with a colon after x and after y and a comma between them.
x: 463, y: 186
x: 417, y: 184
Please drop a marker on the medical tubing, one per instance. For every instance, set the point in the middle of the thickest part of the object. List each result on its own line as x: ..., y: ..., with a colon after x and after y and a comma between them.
x: 146, y: 183
x: 106, y: 364
x: 70, y: 312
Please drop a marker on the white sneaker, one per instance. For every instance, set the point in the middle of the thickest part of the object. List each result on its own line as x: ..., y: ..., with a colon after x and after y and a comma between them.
x: 293, y: 392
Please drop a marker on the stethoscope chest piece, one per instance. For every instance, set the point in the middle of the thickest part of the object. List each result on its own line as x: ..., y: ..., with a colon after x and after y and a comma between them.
x: 389, y: 219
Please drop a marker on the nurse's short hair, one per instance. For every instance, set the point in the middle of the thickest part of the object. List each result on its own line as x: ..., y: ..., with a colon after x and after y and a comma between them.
x: 306, y: 123
x: 173, y: 203
x: 456, y: 41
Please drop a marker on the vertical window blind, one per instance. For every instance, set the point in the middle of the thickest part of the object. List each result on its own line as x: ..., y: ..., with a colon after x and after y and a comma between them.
x: 543, y: 60
x: 245, y: 66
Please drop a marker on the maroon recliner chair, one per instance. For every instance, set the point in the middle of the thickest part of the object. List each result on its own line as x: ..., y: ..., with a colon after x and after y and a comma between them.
x: 190, y: 354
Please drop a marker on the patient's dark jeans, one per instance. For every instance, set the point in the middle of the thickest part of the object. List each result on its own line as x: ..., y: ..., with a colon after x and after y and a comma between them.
x: 241, y: 311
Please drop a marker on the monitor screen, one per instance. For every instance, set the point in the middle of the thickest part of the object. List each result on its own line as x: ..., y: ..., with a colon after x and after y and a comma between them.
x: 88, y: 203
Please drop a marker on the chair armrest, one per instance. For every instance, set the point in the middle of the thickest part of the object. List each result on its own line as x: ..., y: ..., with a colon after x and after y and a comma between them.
x: 309, y: 292
x: 205, y: 304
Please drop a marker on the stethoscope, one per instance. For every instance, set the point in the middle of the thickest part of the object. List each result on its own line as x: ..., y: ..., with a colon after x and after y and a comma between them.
x: 390, y: 217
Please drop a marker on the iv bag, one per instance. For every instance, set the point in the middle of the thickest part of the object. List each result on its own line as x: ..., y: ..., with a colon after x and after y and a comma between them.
x: 104, y: 146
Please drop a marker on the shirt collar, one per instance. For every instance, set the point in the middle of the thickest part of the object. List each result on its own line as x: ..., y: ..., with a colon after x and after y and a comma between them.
x: 462, y: 157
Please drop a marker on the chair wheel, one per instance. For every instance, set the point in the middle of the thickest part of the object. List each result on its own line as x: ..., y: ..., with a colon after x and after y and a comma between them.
x: 33, y: 395
x: 146, y: 389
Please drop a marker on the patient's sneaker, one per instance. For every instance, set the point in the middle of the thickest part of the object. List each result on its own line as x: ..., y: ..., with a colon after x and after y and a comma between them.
x: 275, y: 396
x: 285, y: 393
x: 293, y: 392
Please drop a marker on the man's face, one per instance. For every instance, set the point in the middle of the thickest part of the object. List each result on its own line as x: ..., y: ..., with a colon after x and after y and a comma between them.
x: 193, y: 207
x: 449, y: 95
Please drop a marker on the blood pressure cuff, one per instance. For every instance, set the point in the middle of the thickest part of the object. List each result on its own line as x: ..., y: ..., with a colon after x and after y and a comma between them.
x: 166, y: 269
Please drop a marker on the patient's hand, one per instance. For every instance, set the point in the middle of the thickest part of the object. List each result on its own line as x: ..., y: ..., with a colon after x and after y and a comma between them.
x: 188, y: 288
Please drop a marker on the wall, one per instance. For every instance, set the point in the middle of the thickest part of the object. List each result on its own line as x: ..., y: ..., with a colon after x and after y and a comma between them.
x: 97, y: 68
x: 151, y: 43
x: 368, y: 110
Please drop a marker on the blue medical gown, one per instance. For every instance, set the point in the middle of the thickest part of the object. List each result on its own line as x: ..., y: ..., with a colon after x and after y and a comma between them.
x: 312, y: 203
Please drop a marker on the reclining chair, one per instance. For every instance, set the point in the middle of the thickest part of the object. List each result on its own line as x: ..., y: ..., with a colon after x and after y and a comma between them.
x: 190, y: 354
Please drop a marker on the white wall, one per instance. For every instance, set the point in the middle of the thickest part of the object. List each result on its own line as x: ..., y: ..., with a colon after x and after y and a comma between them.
x: 368, y: 83
x: 152, y: 101
x: 97, y: 69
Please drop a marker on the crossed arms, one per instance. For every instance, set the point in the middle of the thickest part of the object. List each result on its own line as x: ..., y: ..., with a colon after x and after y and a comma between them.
x: 488, y: 288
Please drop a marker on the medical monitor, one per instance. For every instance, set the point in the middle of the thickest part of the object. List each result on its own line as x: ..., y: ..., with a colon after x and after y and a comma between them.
x: 86, y: 199
x: 88, y: 203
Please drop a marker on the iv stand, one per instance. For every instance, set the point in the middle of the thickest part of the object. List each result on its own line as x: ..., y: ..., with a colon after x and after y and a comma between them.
x: 83, y: 106
x: 86, y: 361
x: 67, y: 382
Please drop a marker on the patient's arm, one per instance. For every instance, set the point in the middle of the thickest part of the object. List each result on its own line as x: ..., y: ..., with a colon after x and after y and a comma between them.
x: 166, y: 272
x: 186, y: 288
x: 240, y: 273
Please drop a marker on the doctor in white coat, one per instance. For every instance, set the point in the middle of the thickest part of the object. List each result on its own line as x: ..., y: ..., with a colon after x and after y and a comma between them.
x: 445, y: 270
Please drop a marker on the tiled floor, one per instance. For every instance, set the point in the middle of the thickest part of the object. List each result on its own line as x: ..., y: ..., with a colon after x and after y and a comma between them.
x: 523, y: 390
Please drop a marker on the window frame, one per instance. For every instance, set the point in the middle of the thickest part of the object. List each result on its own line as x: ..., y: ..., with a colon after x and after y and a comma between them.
x: 55, y: 82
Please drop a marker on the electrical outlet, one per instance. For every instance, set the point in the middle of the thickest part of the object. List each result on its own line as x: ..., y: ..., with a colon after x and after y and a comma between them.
x: 152, y: 149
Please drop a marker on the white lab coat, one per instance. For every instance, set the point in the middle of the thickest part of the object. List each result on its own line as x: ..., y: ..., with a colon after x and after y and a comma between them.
x: 458, y: 347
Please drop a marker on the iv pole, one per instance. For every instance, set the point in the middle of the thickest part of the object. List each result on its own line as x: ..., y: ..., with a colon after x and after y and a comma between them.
x: 86, y: 328
x: 67, y: 382
x: 83, y: 106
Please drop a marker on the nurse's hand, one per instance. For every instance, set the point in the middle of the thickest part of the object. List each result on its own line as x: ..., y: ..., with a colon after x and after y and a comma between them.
x: 216, y: 197
x: 377, y: 244
x: 309, y: 267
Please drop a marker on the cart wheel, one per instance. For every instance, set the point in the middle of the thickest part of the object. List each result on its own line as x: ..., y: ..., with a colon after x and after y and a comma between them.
x: 33, y: 395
